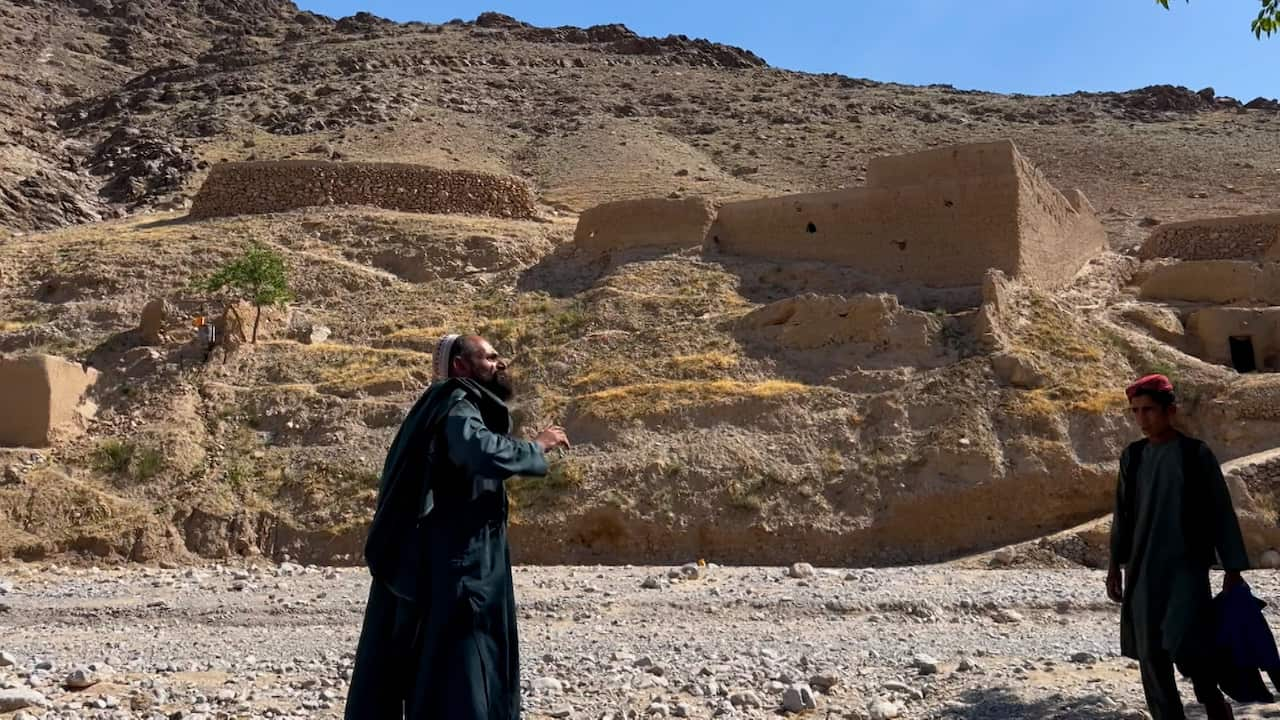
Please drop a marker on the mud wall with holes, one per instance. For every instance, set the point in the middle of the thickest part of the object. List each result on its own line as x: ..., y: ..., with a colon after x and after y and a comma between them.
x: 242, y: 188
x: 1246, y: 237
x: 938, y: 218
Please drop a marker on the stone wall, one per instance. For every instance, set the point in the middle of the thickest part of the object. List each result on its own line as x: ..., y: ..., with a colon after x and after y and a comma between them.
x: 939, y: 218
x: 1246, y: 237
x: 1214, y: 281
x: 242, y: 188
x: 626, y: 224
x: 42, y: 397
x: 1210, y: 331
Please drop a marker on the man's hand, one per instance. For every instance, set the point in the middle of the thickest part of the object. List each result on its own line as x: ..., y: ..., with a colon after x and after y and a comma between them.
x: 1231, y: 579
x: 552, y: 438
x: 1115, y: 584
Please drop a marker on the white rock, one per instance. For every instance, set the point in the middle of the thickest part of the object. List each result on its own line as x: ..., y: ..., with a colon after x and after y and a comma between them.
x: 925, y: 664
x: 318, y: 334
x: 798, y: 698
x: 884, y: 710
x: 548, y: 684
x: 823, y: 682
x: 745, y: 698
x: 18, y: 698
x: 1007, y: 616
x: 801, y: 571
x: 81, y: 678
x: 7, y: 660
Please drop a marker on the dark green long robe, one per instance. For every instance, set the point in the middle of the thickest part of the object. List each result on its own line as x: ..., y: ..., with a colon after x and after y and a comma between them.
x: 1166, y: 537
x: 439, y: 637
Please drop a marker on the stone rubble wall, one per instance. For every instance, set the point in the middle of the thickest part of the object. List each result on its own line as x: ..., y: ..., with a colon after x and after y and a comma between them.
x: 244, y: 188
x: 1246, y: 237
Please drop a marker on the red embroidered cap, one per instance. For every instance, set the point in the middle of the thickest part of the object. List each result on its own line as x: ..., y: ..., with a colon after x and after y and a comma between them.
x: 1153, y: 383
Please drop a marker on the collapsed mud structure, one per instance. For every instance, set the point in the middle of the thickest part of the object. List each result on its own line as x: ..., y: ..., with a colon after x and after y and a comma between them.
x: 938, y: 218
x: 1221, y: 279
x: 899, y: 386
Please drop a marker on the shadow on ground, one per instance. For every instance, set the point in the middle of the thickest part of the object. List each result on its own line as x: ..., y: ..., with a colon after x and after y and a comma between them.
x: 1004, y: 704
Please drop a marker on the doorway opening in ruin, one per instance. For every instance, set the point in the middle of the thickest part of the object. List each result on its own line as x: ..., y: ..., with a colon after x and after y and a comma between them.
x: 1242, y: 357
x: 812, y: 228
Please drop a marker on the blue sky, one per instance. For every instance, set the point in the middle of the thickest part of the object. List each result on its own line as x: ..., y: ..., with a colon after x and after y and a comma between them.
x: 1027, y: 46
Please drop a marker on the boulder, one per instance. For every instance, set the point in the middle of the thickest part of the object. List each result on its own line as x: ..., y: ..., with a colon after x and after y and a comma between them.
x: 44, y: 398
x: 157, y: 315
x: 235, y: 325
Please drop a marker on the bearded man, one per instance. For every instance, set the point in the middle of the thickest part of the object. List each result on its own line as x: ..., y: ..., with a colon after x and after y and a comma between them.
x: 439, y: 636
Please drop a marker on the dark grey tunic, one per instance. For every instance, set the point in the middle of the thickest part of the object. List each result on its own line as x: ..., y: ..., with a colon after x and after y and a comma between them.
x: 1167, y: 602
x: 439, y: 637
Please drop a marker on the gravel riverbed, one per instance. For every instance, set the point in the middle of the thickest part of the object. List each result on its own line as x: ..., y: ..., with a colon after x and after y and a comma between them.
x: 267, y: 641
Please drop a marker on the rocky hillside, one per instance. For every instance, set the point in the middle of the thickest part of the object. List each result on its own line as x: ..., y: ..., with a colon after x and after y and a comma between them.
x: 915, y: 432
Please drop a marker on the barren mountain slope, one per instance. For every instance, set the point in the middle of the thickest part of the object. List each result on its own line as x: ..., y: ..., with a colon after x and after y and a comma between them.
x: 879, y: 427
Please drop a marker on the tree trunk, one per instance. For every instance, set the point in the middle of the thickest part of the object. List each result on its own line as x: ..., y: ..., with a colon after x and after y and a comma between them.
x: 257, y: 315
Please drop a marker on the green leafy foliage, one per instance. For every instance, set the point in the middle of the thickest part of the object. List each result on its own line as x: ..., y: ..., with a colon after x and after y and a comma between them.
x: 260, y: 276
x: 1267, y: 22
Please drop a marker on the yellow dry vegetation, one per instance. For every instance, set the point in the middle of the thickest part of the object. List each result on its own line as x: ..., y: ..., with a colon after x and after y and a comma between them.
x: 350, y: 369
x: 1087, y: 371
x: 703, y: 363
x: 614, y: 371
x: 655, y: 398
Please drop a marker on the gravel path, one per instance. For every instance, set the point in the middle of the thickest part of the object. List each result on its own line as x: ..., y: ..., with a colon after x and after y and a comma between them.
x: 622, y: 642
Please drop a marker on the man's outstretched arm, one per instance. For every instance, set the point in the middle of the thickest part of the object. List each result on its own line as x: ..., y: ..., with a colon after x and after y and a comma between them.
x: 485, y: 453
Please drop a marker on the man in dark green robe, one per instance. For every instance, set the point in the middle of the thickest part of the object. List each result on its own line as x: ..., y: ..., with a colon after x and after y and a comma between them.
x: 439, y: 636
x: 1173, y: 514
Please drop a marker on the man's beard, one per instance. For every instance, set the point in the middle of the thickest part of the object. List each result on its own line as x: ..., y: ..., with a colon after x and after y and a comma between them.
x: 500, y: 384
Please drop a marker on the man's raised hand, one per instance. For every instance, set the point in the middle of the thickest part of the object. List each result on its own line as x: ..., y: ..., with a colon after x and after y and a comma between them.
x: 552, y: 438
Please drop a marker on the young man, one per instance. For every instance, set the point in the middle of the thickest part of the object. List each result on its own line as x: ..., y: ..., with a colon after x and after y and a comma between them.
x: 1173, y: 512
x: 439, y: 637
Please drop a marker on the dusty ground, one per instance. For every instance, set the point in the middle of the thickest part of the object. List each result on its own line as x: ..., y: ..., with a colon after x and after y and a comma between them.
x: 277, y: 641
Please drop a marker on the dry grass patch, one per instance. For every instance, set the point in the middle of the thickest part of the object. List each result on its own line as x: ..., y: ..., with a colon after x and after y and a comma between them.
x: 1086, y: 367
x: 658, y: 398
x: 347, y: 370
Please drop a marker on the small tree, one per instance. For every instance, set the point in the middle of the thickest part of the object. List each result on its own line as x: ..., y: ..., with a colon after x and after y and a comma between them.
x: 259, y: 276
x: 1267, y: 22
